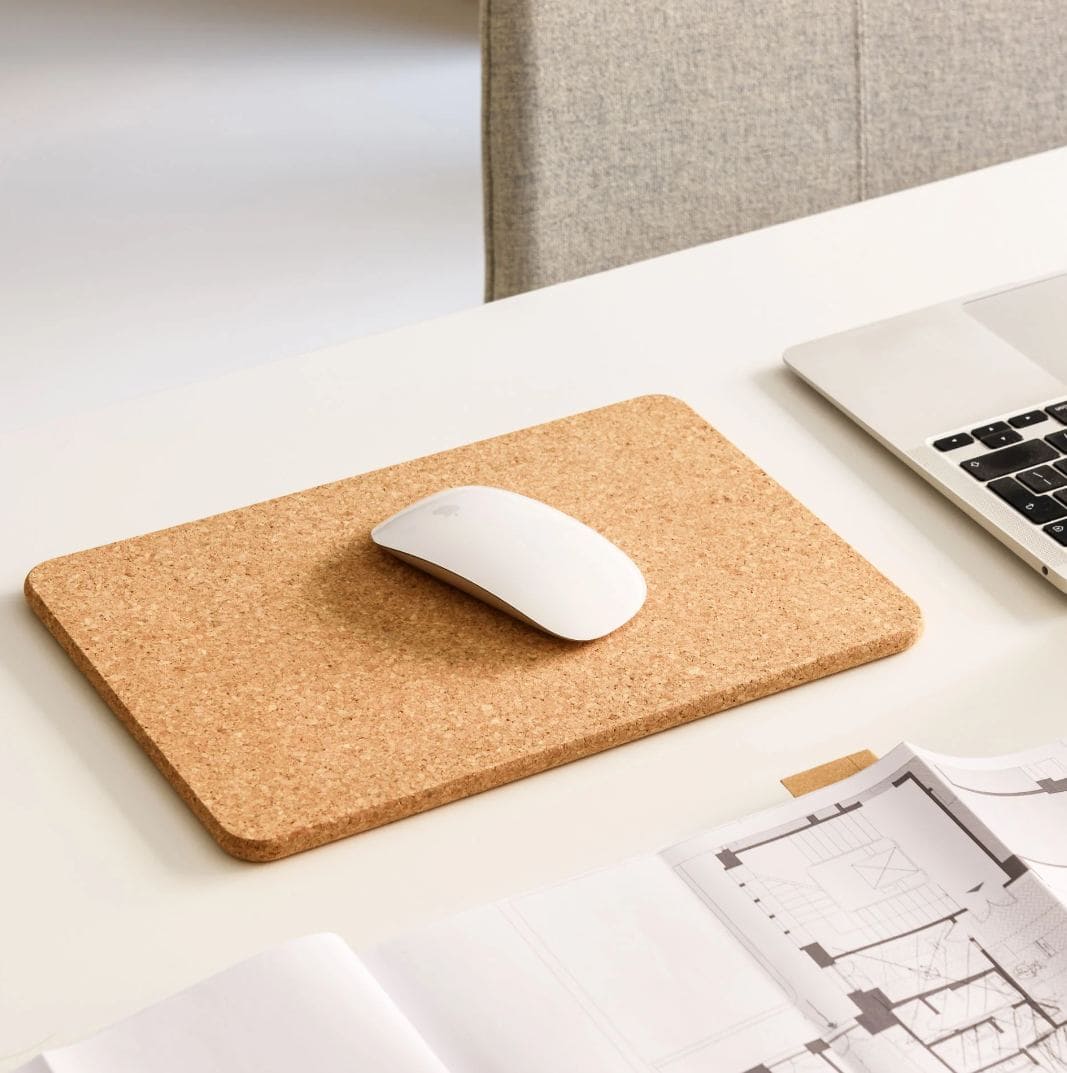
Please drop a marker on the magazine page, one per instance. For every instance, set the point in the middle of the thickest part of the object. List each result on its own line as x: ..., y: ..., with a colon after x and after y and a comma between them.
x: 307, y: 1005
x: 916, y: 939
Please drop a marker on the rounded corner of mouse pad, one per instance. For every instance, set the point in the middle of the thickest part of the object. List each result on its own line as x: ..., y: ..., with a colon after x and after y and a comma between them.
x: 278, y: 667
x: 38, y: 578
x: 915, y: 622
x: 265, y: 844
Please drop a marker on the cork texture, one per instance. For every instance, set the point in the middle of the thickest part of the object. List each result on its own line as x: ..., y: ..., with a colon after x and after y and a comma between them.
x: 297, y: 684
x: 804, y: 782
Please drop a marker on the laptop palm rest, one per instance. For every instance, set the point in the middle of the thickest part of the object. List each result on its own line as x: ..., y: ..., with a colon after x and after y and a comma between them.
x: 1032, y: 318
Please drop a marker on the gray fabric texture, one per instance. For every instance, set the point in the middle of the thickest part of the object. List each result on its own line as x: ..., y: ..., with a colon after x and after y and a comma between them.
x: 613, y: 132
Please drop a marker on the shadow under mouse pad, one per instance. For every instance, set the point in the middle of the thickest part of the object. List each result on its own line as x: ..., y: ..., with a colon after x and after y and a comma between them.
x: 296, y: 684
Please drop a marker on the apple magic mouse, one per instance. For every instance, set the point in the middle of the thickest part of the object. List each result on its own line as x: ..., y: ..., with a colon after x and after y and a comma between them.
x: 521, y: 556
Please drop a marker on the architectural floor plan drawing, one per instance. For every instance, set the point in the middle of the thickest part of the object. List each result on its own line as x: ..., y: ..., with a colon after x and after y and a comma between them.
x: 907, y: 919
x: 910, y: 919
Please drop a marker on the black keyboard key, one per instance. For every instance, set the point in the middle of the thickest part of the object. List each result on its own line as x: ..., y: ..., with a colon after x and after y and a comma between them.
x: 989, y: 430
x: 1034, y: 417
x: 1001, y: 439
x: 1058, y: 532
x: 1009, y: 460
x: 1058, y: 440
x: 1025, y: 420
x: 1058, y: 411
x: 1043, y: 479
x: 950, y: 443
x: 1038, y: 509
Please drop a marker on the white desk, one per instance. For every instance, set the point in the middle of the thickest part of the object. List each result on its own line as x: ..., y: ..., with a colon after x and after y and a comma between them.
x: 113, y: 895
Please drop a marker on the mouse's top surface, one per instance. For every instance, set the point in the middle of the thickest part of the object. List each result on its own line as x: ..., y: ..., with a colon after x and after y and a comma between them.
x: 521, y: 555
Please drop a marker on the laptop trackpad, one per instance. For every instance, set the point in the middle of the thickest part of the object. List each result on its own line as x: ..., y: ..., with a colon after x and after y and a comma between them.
x: 1032, y: 318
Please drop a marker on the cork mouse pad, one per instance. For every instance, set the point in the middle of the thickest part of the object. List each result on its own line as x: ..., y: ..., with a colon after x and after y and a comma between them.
x: 297, y: 684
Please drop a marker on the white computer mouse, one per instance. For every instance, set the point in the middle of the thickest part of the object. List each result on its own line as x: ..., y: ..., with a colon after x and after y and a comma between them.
x: 519, y: 555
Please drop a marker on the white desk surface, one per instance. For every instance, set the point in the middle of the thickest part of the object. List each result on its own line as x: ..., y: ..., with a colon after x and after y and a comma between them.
x: 112, y: 894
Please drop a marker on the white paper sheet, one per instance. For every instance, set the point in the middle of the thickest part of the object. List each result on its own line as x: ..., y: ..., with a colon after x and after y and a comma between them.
x: 309, y: 1005
x: 1022, y: 799
x: 618, y: 970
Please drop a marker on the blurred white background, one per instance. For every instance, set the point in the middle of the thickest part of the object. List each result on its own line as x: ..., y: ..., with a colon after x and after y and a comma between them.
x: 192, y: 186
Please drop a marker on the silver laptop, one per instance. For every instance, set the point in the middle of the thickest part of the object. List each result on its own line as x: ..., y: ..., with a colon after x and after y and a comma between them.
x: 972, y: 394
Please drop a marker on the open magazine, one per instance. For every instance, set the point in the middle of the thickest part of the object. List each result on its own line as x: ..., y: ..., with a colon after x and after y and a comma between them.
x: 910, y: 918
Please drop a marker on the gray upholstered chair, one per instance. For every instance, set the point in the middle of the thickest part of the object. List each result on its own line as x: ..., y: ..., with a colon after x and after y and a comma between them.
x: 615, y: 130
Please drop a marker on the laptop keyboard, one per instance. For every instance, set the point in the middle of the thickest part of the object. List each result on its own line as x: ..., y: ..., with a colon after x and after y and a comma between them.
x: 1022, y: 460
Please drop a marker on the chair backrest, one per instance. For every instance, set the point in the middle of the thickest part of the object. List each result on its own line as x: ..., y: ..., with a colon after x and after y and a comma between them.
x: 615, y: 130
